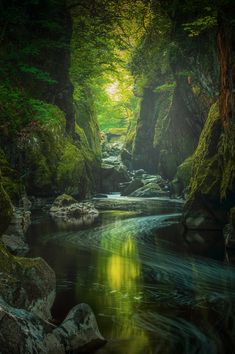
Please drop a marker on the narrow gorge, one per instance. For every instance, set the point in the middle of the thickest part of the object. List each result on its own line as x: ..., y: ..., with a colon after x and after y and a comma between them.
x: 117, y: 176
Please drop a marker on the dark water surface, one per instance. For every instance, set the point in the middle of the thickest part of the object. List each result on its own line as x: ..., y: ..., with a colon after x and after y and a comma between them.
x: 152, y: 290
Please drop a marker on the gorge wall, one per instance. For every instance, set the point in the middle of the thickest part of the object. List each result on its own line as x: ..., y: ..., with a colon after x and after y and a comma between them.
x: 43, y: 148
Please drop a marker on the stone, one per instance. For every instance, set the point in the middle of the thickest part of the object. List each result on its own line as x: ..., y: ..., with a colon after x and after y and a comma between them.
x: 27, y: 283
x: 79, y: 330
x: 70, y: 210
x: 22, y: 332
x: 139, y: 173
x: 132, y: 186
x: 15, y: 244
x: 112, y: 176
x: 150, y: 190
x: 200, y: 218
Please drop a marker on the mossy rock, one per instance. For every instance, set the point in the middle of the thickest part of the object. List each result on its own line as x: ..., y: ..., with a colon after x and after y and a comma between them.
x: 183, y: 176
x: 10, y: 178
x: 28, y: 283
x: 206, y: 169
x: 149, y: 190
x: 6, y: 210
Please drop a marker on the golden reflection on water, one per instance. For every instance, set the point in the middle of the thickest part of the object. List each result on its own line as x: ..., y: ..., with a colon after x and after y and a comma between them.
x: 121, y: 272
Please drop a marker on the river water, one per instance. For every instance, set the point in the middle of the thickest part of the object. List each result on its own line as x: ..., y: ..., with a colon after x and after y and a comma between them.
x: 152, y: 289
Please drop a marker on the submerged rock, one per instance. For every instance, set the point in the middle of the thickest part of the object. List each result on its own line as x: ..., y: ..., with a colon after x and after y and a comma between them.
x: 69, y: 209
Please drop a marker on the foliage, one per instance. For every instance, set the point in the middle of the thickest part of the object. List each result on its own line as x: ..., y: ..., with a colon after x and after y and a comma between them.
x: 17, y: 110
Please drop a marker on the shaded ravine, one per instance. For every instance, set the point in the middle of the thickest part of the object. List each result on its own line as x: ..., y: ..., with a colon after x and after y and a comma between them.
x: 148, y: 291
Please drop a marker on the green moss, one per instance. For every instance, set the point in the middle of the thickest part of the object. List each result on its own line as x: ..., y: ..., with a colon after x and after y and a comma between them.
x: 184, y: 172
x: 10, y: 178
x: 130, y: 137
x: 5, y: 208
x: 75, y: 170
x: 206, y: 168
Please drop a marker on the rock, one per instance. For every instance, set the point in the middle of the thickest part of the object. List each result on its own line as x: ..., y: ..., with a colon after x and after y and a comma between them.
x: 25, y: 333
x: 229, y: 236
x: 150, y: 190
x: 112, y: 176
x: 200, y: 217
x: 133, y: 186
x: 112, y: 160
x: 229, y: 230
x: 126, y: 158
x: 6, y: 209
x: 15, y: 244
x: 14, y: 236
x: 64, y: 200
x: 182, y: 178
x: 100, y: 195
x: 139, y: 173
x: 19, y: 223
x: 70, y: 210
x: 153, y: 179
x: 27, y: 283
x: 79, y: 330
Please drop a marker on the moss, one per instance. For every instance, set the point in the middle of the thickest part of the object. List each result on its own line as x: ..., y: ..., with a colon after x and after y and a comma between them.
x: 5, y: 208
x: 205, y: 160
x: 10, y: 178
x: 184, y: 172
x: 87, y: 120
x: 6, y: 260
x: 76, y: 169
x: 130, y: 137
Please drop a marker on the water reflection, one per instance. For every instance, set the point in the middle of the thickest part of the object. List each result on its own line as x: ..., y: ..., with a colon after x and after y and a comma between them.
x: 148, y: 285
x: 120, y: 271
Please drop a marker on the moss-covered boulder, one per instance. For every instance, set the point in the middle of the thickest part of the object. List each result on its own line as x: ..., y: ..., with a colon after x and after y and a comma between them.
x: 149, y: 190
x: 27, y: 283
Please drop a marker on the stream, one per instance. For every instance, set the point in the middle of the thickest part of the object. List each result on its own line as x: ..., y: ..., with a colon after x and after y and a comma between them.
x: 152, y: 290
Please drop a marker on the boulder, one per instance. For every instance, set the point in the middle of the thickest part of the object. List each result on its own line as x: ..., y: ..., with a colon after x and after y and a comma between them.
x: 153, y: 179
x: 204, y: 216
x: 27, y: 283
x: 15, y: 244
x: 70, y: 210
x: 112, y: 176
x: 150, y: 190
x: 14, y: 236
x: 133, y: 186
x: 139, y: 173
x: 79, y: 330
x: 25, y: 333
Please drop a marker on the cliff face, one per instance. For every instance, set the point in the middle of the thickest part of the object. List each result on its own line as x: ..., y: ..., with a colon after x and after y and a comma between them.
x: 172, y: 115
x: 40, y: 141
x: 213, y: 178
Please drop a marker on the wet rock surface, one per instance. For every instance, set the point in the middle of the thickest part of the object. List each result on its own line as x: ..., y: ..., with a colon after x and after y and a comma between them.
x: 68, y: 209
x: 25, y: 333
x: 14, y: 235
